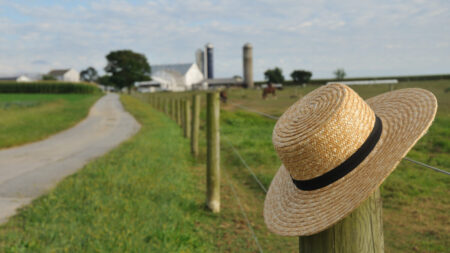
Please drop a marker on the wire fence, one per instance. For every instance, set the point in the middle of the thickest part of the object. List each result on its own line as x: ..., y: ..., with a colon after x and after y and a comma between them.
x: 244, y: 214
x: 276, y: 118
x: 259, y: 182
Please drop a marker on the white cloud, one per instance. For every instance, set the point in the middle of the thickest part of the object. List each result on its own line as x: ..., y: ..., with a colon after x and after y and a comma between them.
x: 364, y: 37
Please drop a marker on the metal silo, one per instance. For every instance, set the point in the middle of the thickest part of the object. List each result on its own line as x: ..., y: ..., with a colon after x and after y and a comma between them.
x: 209, y: 61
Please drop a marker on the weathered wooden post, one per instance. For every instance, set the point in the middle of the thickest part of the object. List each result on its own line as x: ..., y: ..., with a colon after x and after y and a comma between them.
x: 213, y: 152
x: 179, y: 111
x: 172, y: 108
x: 187, y: 118
x: 361, y: 231
x: 175, y: 113
x: 195, y: 124
x: 182, y: 115
x: 166, y: 106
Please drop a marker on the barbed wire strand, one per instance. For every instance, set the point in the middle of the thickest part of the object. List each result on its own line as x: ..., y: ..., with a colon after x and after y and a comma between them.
x: 243, y: 213
x: 246, y: 165
x: 406, y: 158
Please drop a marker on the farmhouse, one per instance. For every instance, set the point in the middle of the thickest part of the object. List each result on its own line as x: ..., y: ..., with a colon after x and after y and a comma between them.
x: 21, y: 78
x: 176, y: 77
x: 68, y: 75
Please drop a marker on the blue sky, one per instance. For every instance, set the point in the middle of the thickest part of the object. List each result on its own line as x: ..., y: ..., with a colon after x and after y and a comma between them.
x: 366, y: 38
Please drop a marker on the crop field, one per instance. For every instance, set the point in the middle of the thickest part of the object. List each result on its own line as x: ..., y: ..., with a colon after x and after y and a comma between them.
x: 31, y: 117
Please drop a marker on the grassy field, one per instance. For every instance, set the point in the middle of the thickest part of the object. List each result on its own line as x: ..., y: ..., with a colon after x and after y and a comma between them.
x: 416, y: 199
x: 148, y: 194
x: 31, y: 117
x: 145, y: 196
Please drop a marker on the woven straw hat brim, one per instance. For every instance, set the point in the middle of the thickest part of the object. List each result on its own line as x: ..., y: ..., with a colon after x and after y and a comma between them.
x: 406, y: 115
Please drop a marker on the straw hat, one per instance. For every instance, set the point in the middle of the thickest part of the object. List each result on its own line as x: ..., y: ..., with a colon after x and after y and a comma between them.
x: 336, y: 150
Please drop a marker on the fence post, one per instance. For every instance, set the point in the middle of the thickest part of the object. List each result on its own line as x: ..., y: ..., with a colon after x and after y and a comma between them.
x: 195, y: 124
x: 213, y: 152
x: 179, y: 111
x: 172, y: 108
x: 166, y: 106
x: 361, y: 231
x: 187, y: 118
x: 183, y: 120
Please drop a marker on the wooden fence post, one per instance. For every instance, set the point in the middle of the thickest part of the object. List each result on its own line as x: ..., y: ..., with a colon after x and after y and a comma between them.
x: 172, y: 108
x: 166, y: 106
x: 361, y: 231
x: 213, y: 152
x: 195, y: 124
x: 187, y: 118
x: 183, y: 121
x: 179, y: 111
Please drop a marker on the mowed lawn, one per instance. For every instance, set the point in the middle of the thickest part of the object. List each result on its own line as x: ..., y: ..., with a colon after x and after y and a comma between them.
x: 31, y: 117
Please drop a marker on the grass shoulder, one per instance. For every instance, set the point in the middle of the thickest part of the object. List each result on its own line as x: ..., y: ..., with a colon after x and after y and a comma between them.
x: 32, y: 117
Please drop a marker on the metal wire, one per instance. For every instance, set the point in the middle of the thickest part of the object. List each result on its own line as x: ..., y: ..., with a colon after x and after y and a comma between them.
x: 255, y: 111
x: 406, y: 158
x: 426, y: 165
x: 243, y: 213
x: 246, y: 165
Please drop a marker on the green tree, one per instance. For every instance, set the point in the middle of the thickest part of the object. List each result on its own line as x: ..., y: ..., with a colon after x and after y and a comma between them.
x: 48, y: 78
x: 127, y: 67
x: 339, y: 74
x: 301, y: 76
x: 89, y: 74
x: 274, y: 75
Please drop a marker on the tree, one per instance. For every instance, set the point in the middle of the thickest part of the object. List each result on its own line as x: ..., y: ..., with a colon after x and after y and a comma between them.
x: 127, y: 67
x: 48, y: 78
x: 274, y: 75
x: 301, y: 76
x: 89, y: 74
x: 340, y: 74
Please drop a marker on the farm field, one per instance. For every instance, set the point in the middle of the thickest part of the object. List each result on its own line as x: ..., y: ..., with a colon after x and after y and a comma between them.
x: 148, y: 194
x: 415, y: 199
x: 31, y: 117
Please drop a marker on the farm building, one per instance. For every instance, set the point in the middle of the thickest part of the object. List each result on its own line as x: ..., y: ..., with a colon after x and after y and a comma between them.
x: 68, y: 75
x: 176, y: 77
x: 21, y: 78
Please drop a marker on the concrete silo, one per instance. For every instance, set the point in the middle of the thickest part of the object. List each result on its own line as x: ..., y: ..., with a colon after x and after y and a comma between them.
x: 200, y: 60
x: 248, y: 65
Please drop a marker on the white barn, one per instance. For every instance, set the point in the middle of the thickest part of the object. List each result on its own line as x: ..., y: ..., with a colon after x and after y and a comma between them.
x: 176, y: 77
x: 67, y: 75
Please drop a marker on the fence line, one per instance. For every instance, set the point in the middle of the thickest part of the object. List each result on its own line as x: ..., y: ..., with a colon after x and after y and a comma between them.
x: 275, y: 117
x: 245, y: 164
x: 243, y: 212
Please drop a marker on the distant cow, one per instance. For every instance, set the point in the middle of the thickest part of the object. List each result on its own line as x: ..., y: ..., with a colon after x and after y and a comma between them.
x: 223, y: 96
x: 269, y: 90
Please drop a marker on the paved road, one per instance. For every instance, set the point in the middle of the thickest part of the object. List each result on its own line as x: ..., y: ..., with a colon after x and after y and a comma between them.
x: 31, y: 170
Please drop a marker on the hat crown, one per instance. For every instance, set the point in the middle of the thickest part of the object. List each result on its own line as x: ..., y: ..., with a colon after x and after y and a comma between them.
x: 322, y: 130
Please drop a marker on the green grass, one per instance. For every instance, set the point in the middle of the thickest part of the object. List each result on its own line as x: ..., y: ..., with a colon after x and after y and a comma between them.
x: 415, y: 199
x: 148, y: 194
x: 31, y: 117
